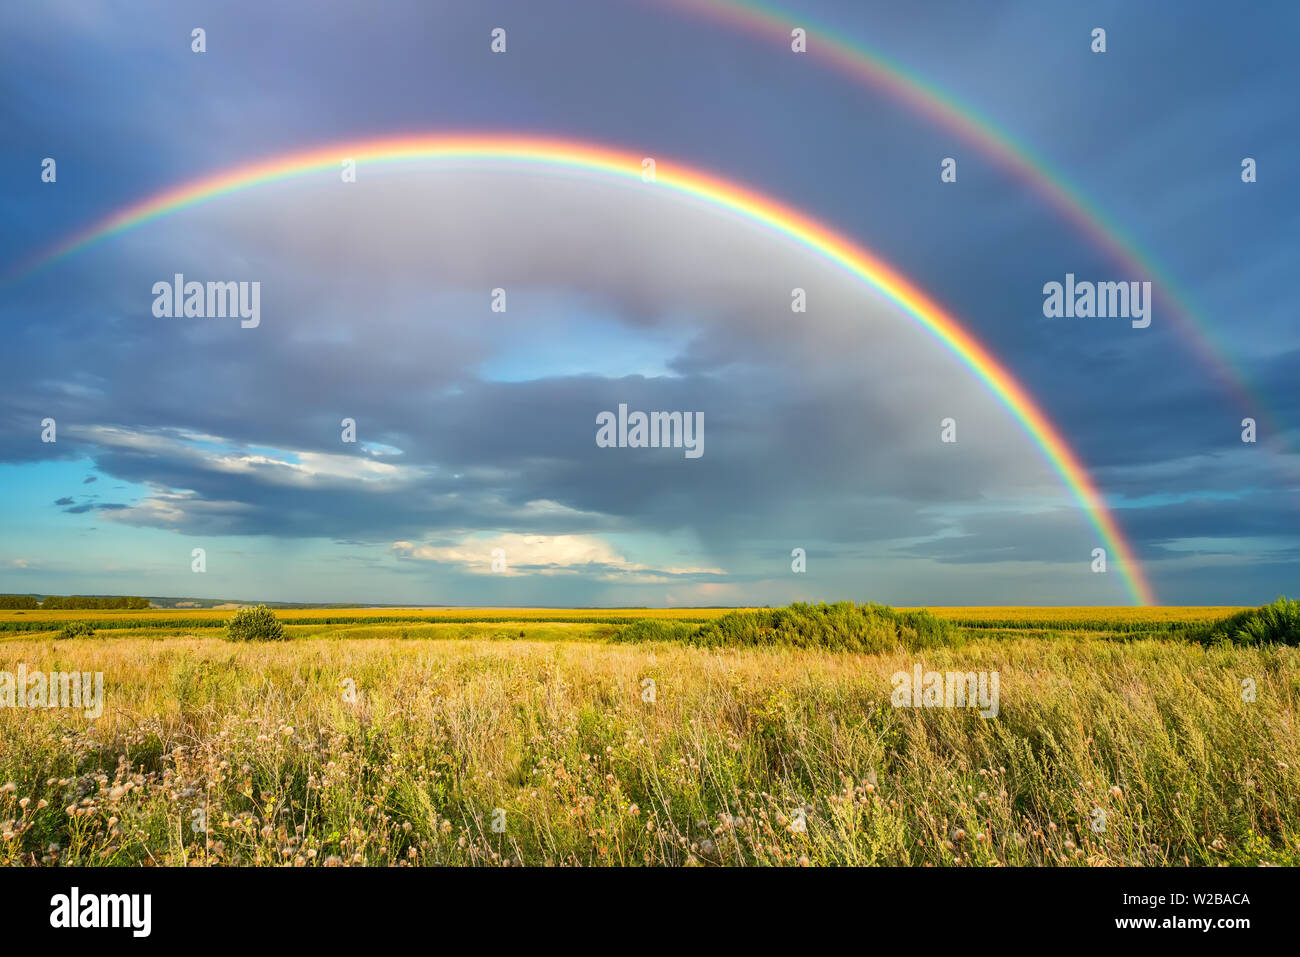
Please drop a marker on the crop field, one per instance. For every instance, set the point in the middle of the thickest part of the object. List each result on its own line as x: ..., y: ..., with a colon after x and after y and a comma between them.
x: 191, y: 618
x: 1127, y: 618
x: 517, y: 738
x: 1116, y: 619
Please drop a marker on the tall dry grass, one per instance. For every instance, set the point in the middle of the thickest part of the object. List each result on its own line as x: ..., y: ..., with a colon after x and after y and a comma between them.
x: 743, y: 757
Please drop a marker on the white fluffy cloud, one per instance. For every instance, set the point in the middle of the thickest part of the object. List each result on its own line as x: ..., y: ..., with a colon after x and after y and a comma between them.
x: 543, y: 555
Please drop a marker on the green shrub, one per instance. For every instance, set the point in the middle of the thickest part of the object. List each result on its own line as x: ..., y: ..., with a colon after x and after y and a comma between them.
x: 656, y: 629
x: 77, y: 629
x: 255, y: 624
x: 842, y: 626
x: 1275, y: 624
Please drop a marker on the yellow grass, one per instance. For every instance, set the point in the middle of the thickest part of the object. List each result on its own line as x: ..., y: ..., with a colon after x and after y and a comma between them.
x: 735, y: 747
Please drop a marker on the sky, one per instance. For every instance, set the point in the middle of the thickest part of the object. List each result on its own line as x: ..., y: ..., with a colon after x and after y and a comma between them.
x: 476, y: 429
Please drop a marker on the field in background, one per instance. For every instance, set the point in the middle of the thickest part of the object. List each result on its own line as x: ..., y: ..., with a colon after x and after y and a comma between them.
x: 1118, y: 619
x: 370, y: 745
x: 191, y: 618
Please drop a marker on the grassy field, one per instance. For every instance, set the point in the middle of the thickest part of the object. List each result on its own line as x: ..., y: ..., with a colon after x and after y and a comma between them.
x: 585, y: 750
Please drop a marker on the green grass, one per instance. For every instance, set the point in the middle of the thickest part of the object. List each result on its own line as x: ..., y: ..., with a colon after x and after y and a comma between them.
x: 843, y: 626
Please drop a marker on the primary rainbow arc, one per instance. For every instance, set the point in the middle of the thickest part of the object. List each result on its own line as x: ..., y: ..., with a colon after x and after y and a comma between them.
x: 702, y: 187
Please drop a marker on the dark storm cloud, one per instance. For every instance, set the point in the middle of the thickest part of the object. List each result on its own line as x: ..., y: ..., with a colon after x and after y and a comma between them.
x: 821, y: 427
x: 835, y: 405
x: 826, y: 426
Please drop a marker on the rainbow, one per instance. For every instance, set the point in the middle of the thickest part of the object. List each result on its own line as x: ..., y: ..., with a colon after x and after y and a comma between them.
x: 698, y: 186
x: 832, y: 48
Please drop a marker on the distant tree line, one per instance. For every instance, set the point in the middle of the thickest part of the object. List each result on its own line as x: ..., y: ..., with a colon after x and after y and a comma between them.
x: 73, y: 602
x: 84, y: 601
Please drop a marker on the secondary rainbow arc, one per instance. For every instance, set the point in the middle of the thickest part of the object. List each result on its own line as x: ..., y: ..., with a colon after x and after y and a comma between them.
x: 857, y: 59
x: 700, y: 186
